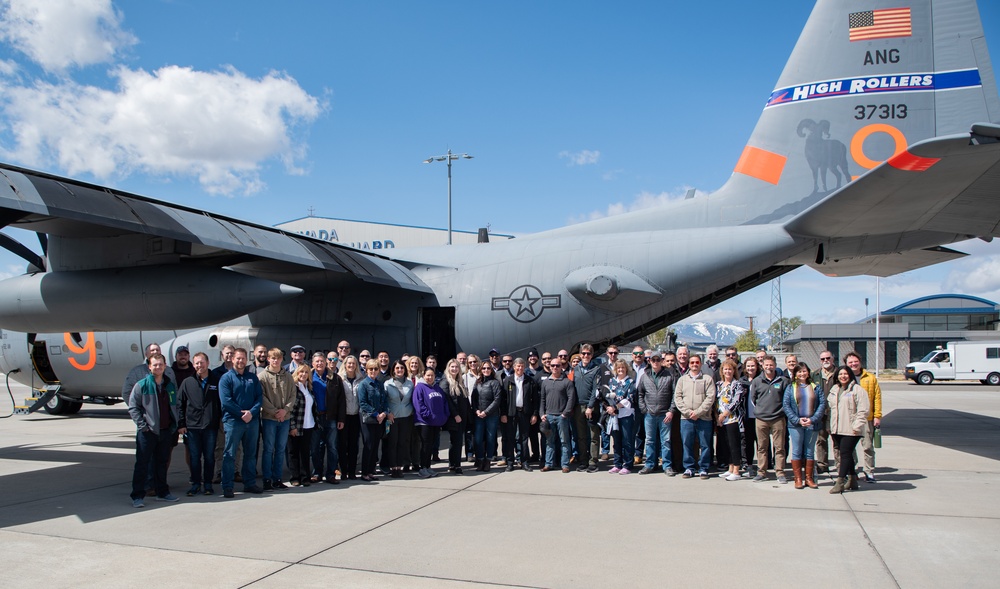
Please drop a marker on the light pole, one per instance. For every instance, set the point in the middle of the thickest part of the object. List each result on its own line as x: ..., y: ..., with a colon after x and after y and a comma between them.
x: 448, y: 157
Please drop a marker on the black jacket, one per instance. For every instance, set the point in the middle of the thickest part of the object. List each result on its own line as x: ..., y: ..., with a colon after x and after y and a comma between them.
x: 486, y: 396
x: 198, y: 405
x: 656, y: 395
x: 458, y: 406
x: 529, y: 391
x: 336, y: 402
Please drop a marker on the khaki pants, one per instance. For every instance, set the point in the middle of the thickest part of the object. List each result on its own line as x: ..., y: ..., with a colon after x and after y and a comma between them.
x: 868, y: 448
x: 771, y: 432
x: 822, y: 445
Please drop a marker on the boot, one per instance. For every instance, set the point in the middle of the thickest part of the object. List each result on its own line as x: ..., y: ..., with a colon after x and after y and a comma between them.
x: 853, y: 484
x: 838, y: 486
x: 810, y: 482
x: 797, y: 473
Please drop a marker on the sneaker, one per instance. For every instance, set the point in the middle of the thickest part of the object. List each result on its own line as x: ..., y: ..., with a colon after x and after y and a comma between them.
x: 253, y: 489
x: 760, y: 478
x: 870, y: 478
x: 433, y: 473
x: 782, y: 479
x: 703, y: 475
x: 687, y: 474
x: 624, y: 471
x: 228, y: 493
x: 193, y: 490
x: 733, y: 477
x: 280, y: 485
x: 645, y: 470
x: 209, y: 490
x: 669, y: 472
x: 168, y: 497
x: 615, y: 470
x: 592, y: 468
x: 268, y: 486
x: 723, y: 474
x: 138, y: 503
x: 423, y: 473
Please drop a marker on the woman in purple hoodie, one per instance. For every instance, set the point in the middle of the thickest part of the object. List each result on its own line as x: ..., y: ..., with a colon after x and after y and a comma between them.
x: 430, y: 408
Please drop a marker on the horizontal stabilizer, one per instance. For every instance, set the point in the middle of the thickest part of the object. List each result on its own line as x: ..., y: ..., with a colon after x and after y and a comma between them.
x: 947, y: 185
x: 887, y: 264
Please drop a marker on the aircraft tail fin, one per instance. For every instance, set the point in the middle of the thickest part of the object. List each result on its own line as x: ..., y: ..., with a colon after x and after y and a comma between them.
x: 866, y: 80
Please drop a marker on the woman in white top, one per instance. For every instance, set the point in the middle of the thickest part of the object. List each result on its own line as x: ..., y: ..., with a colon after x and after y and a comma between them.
x: 302, y: 426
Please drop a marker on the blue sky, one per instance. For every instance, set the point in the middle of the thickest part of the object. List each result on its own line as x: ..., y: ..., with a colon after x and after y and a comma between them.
x: 261, y: 110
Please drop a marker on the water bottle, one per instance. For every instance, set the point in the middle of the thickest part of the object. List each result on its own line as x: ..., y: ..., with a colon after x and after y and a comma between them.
x: 877, y: 437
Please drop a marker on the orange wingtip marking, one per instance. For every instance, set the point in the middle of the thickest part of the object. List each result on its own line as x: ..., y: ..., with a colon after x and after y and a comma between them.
x: 761, y: 164
x: 913, y: 163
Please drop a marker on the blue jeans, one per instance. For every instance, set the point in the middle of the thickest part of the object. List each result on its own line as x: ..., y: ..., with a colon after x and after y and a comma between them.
x: 559, y: 433
x: 691, y: 428
x: 486, y: 436
x: 275, y: 440
x: 201, y: 445
x: 624, y: 442
x: 802, y: 438
x: 323, y: 448
x: 658, y: 437
x: 245, y: 434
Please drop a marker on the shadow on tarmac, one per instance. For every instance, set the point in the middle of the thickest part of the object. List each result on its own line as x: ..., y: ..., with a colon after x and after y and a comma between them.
x: 956, y: 430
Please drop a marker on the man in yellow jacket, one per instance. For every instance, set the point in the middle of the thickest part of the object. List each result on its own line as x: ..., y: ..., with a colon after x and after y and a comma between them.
x: 869, y: 383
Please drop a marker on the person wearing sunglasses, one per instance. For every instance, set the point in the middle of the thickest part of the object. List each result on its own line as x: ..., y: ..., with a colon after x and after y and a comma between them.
x: 486, y: 397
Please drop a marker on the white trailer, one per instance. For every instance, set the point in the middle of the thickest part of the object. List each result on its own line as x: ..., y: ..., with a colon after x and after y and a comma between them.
x: 973, y: 360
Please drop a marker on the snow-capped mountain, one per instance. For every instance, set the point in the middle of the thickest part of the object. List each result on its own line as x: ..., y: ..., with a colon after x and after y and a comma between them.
x: 705, y: 332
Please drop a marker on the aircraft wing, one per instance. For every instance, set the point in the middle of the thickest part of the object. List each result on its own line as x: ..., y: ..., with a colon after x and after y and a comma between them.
x: 946, y: 186
x: 163, y: 233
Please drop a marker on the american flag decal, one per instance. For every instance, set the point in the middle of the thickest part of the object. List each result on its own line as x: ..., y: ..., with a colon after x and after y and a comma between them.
x: 880, y: 24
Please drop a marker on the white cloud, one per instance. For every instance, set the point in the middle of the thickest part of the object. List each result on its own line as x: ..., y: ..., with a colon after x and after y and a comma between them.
x: 58, y: 34
x: 215, y: 126
x: 721, y: 315
x: 644, y: 200
x: 585, y: 157
x: 840, y: 315
x: 978, y: 276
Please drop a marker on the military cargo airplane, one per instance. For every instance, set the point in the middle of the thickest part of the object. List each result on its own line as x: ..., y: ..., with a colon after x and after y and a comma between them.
x: 879, y: 146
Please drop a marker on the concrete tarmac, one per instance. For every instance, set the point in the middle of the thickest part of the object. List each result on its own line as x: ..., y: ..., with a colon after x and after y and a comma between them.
x: 931, y: 521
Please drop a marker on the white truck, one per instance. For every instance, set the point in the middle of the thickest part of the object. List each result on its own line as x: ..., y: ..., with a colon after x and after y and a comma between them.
x: 973, y: 360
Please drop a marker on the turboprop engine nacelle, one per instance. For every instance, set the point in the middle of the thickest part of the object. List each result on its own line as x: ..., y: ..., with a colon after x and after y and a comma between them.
x: 143, y: 298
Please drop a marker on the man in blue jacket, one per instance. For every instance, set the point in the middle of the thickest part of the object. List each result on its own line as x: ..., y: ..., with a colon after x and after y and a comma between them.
x: 241, y: 396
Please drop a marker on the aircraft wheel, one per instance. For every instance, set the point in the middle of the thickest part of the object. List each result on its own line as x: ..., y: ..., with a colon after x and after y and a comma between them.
x: 993, y: 379
x: 57, y: 406
x: 925, y: 378
x: 73, y: 407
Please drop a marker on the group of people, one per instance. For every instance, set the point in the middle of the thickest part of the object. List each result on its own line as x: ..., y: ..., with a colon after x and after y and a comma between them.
x: 322, y: 414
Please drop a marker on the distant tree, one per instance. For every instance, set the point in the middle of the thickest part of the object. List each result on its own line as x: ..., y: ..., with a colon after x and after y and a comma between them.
x: 783, y: 328
x: 748, y: 341
x: 656, y: 338
x: 661, y: 337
